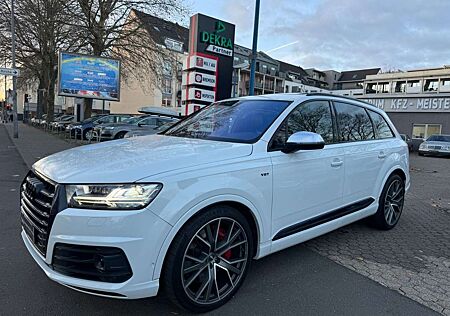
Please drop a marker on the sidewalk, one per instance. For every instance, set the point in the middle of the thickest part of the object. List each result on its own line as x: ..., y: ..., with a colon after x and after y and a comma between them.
x: 34, y: 144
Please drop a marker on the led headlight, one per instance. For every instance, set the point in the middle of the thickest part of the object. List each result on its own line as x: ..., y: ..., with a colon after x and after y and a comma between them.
x: 112, y: 196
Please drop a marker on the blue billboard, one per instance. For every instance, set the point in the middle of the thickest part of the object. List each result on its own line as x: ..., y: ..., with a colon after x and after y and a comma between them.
x: 85, y: 76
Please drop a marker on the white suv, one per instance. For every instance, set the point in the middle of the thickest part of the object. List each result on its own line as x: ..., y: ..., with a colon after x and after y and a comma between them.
x: 190, y: 209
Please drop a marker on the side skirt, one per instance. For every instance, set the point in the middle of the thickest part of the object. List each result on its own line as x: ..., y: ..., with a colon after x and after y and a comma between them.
x: 324, y: 218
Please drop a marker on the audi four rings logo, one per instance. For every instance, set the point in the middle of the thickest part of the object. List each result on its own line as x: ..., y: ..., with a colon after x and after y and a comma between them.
x: 198, y: 78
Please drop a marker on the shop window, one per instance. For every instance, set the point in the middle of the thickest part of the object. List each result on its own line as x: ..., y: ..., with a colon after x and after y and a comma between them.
x: 423, y: 131
x: 445, y: 82
x: 400, y: 86
x: 431, y: 85
x: 414, y: 83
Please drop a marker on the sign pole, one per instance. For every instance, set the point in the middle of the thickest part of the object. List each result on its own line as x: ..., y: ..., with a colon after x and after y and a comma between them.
x: 254, y: 50
x: 14, y: 91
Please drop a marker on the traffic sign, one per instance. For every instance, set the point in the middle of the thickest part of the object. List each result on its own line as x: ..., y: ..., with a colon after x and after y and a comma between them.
x: 9, y: 72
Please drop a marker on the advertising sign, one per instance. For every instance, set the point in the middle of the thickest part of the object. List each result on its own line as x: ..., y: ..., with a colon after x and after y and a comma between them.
x: 412, y: 104
x: 201, y: 63
x: 197, y: 94
x: 198, y: 78
x: 214, y: 37
x: 87, y: 76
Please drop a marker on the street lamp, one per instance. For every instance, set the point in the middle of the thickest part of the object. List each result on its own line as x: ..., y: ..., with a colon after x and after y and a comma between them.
x: 254, y: 49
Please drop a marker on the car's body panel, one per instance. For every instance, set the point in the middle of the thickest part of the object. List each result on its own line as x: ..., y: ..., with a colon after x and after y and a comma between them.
x: 277, y: 189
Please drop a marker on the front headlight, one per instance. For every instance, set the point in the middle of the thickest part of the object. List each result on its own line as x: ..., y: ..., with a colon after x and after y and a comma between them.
x: 446, y: 148
x: 422, y: 146
x: 112, y: 196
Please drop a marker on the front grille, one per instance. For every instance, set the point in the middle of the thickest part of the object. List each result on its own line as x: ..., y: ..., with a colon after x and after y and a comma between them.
x: 36, y: 209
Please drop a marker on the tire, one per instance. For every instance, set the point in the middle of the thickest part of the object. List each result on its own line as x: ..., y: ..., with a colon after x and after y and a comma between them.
x: 390, y: 204
x: 120, y: 135
x: 200, y: 278
x: 86, y: 132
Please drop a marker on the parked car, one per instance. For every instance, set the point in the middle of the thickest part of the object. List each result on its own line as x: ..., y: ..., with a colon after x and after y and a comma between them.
x: 436, y: 145
x: 190, y: 209
x: 61, y: 122
x: 156, y: 130
x: 87, y: 126
x: 118, y: 130
x: 408, y: 141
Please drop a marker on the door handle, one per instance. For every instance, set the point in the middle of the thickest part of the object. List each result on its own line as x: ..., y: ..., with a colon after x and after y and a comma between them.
x: 337, y: 163
x: 382, y: 155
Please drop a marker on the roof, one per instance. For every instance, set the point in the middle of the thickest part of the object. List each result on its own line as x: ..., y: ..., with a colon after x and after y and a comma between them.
x: 286, y: 67
x: 160, y: 29
x: 357, y: 75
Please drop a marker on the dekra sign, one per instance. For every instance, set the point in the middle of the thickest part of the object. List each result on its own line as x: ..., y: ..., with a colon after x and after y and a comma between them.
x: 216, y: 39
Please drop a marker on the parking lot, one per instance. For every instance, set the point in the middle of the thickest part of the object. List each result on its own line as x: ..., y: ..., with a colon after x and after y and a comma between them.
x: 355, y: 270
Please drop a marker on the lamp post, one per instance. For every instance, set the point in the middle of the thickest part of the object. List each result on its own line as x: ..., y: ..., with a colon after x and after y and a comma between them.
x: 254, y: 50
x: 14, y: 87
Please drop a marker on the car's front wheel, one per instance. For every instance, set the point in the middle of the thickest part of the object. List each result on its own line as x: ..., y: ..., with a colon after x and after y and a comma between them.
x: 390, y: 203
x: 208, y: 259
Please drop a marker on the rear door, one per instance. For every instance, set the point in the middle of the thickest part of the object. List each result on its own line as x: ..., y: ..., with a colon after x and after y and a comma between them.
x: 363, y: 153
x: 306, y: 183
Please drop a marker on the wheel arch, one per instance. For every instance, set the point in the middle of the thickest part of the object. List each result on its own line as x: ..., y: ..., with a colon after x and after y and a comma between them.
x: 398, y: 170
x: 244, y: 206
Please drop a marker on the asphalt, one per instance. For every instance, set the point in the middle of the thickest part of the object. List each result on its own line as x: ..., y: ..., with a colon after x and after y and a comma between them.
x: 296, y: 281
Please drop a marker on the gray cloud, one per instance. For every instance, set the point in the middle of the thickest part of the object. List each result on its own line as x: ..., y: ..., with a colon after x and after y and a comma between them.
x: 349, y: 34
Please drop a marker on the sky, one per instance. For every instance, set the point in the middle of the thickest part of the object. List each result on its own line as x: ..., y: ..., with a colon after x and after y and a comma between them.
x: 342, y: 34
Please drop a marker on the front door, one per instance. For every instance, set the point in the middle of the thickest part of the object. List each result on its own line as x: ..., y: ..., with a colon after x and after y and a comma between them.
x: 306, y: 183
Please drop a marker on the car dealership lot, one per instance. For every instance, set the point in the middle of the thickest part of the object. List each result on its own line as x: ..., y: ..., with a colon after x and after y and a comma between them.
x: 413, y: 259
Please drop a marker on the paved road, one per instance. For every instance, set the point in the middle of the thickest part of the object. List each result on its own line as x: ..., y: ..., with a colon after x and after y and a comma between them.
x: 292, y: 282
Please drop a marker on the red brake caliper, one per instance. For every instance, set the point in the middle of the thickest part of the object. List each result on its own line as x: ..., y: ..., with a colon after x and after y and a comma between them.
x: 222, y: 235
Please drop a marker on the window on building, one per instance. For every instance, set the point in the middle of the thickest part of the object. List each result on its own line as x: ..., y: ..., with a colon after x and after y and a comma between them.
x: 445, y: 82
x: 414, y: 83
x: 353, y: 123
x: 431, y: 85
x: 423, y: 131
x: 264, y: 69
x: 309, y: 117
x: 166, y: 102
x: 383, y: 87
x: 371, y: 87
x: 380, y: 125
x: 167, y: 68
x: 400, y: 86
x: 167, y: 86
x: 174, y: 45
x: 236, y: 59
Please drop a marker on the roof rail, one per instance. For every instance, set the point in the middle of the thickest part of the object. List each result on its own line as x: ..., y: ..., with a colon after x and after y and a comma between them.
x: 337, y: 96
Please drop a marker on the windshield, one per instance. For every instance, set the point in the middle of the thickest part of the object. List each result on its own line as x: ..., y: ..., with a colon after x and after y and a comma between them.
x: 439, y: 138
x: 234, y: 121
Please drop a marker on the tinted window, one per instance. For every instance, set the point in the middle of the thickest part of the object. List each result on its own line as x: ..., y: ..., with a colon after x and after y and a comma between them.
x: 148, y: 121
x: 353, y: 123
x: 238, y: 121
x: 381, y: 127
x: 309, y: 117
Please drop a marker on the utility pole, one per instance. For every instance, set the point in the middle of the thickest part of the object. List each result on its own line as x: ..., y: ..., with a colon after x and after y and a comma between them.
x: 254, y: 50
x: 14, y: 89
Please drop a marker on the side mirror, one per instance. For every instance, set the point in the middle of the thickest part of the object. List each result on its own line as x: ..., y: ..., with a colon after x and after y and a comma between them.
x: 303, y: 141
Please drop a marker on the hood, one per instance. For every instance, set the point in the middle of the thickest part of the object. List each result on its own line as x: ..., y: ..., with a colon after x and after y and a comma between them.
x: 131, y: 159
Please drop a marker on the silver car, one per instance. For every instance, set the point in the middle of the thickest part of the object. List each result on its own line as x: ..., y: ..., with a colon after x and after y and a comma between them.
x: 436, y: 145
x: 116, y: 131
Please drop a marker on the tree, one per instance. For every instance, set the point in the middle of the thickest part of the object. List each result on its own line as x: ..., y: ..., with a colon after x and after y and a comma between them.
x: 112, y: 28
x: 43, y: 28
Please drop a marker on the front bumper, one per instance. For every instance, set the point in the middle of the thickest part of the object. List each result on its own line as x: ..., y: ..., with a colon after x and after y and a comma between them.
x: 434, y: 152
x: 140, y: 234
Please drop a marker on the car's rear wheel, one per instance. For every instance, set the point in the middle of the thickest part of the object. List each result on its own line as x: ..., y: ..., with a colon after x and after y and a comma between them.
x: 87, y: 134
x: 390, y: 203
x: 120, y: 135
x: 208, y: 260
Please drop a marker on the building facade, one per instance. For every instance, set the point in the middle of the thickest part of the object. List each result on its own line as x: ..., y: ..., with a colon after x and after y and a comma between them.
x: 417, y: 101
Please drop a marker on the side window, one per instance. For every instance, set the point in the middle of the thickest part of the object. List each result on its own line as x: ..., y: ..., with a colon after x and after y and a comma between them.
x: 312, y: 116
x: 148, y: 121
x: 381, y: 127
x: 353, y: 123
